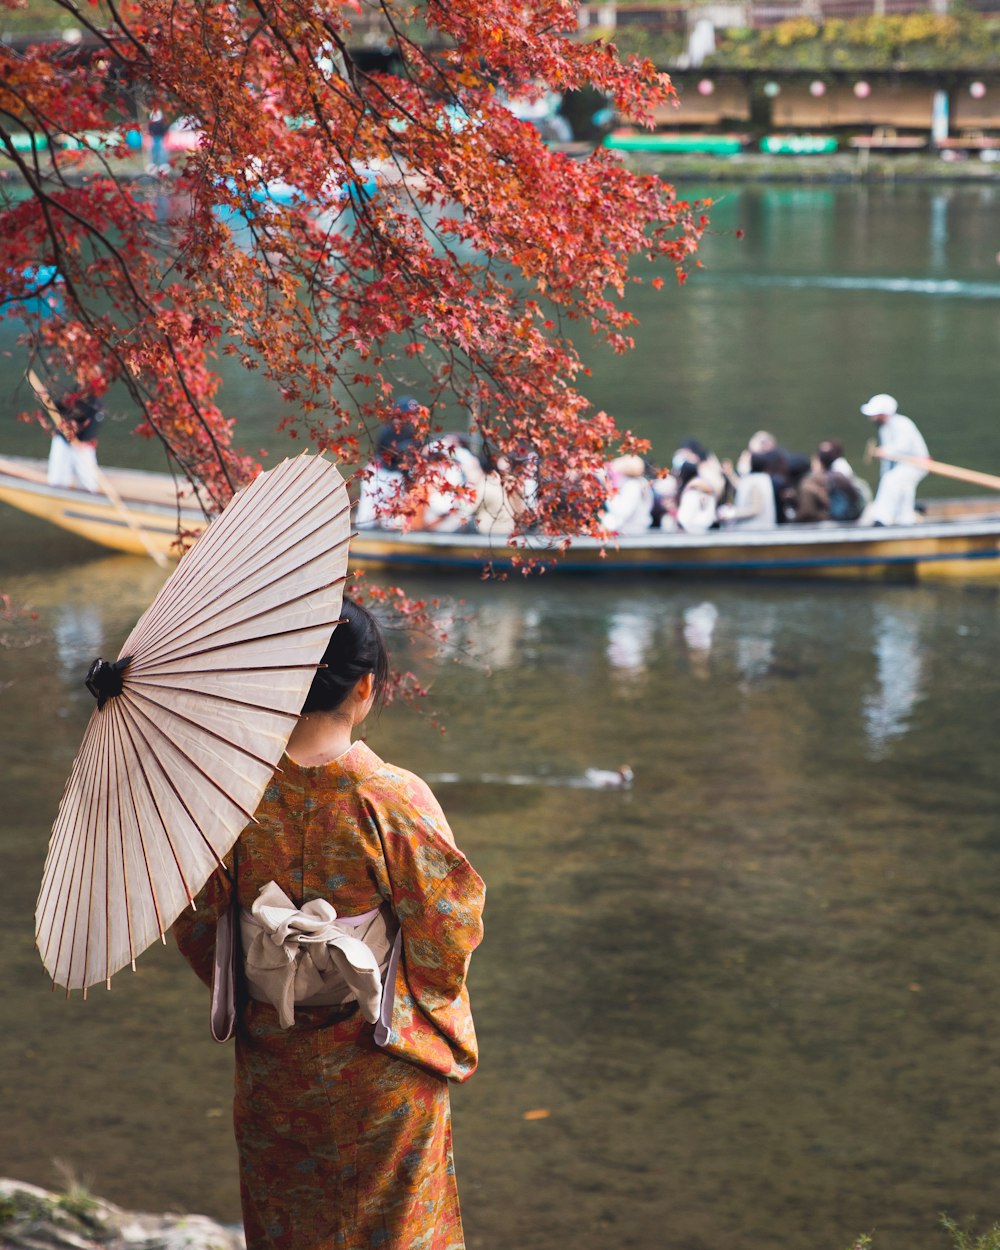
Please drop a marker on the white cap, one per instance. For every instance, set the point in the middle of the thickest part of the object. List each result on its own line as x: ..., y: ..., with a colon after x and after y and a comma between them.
x: 880, y: 406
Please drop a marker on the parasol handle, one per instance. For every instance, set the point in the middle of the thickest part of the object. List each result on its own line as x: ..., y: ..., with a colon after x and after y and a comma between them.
x: 105, y: 679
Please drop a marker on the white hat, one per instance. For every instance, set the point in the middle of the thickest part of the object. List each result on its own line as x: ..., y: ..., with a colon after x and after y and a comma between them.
x: 880, y: 406
x: 629, y: 466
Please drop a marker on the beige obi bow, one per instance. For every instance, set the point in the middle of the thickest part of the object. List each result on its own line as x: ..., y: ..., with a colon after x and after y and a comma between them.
x: 308, y: 957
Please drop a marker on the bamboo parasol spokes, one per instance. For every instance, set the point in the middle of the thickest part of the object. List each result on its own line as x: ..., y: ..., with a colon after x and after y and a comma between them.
x: 191, y: 721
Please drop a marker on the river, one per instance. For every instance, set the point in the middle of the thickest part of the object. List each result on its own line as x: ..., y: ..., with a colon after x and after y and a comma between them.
x: 754, y: 995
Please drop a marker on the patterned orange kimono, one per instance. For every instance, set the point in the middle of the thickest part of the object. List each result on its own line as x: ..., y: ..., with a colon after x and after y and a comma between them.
x: 344, y: 1145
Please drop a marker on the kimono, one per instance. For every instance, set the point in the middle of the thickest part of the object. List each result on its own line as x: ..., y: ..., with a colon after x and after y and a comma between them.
x: 345, y: 1145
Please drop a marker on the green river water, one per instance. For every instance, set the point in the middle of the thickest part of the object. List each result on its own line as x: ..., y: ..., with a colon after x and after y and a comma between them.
x: 756, y: 994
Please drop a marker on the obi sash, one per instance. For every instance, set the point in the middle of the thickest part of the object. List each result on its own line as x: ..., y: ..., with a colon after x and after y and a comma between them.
x: 310, y: 957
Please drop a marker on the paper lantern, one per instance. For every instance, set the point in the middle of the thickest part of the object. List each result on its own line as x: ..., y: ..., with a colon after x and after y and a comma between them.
x: 706, y: 86
x: 862, y: 90
x: 72, y: 34
x: 817, y: 88
x: 977, y: 90
x: 771, y: 89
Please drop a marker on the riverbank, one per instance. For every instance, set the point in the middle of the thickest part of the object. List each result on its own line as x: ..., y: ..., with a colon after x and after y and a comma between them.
x: 748, y: 166
x: 867, y: 167
x: 838, y: 167
x: 39, y: 1219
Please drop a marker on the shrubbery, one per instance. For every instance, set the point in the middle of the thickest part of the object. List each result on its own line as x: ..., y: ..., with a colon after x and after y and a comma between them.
x: 913, y: 41
x: 961, y: 1238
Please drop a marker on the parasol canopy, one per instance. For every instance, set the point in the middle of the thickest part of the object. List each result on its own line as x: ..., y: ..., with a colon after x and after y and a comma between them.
x: 191, y: 721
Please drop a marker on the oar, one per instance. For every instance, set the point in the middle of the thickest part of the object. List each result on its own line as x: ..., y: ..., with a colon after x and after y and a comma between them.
x: 116, y: 501
x: 989, y: 480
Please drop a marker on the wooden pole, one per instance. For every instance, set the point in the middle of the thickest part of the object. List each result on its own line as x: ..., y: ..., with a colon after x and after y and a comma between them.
x: 38, y: 386
x: 990, y: 480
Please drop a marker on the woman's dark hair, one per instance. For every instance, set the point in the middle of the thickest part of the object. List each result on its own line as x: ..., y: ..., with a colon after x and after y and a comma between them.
x: 687, y: 473
x: 395, y: 445
x: 695, y: 447
x: 829, y: 451
x: 798, y: 467
x: 355, y: 648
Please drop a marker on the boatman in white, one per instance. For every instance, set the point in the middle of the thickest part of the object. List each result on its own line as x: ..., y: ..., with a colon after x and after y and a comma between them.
x: 897, y: 488
x: 73, y: 451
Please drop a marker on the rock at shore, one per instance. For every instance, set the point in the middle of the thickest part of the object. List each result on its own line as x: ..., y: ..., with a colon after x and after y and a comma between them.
x: 37, y: 1219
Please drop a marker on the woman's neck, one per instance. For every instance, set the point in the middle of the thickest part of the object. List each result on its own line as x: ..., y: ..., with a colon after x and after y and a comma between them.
x: 318, y: 738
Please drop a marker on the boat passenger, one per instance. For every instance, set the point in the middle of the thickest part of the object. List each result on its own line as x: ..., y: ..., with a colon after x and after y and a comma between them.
x: 696, y: 506
x: 831, y: 454
x: 796, y: 467
x: 664, y: 506
x: 508, y: 489
x: 709, y: 466
x: 812, y: 499
x: 629, y: 503
x: 73, y: 451
x: 385, y: 481
x: 755, y: 505
x: 761, y: 441
x: 849, y: 494
x: 897, y: 489
x: 777, y: 464
x: 456, y: 490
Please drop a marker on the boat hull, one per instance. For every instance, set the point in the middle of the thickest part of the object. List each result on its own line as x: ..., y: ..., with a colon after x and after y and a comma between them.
x: 958, y: 539
x: 150, y: 500
x: 942, y: 550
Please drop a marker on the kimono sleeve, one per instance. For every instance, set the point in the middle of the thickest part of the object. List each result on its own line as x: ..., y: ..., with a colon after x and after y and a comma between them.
x: 438, y: 898
x: 194, y: 928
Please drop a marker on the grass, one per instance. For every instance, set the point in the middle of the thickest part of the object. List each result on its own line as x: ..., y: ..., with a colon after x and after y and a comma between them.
x: 962, y: 1238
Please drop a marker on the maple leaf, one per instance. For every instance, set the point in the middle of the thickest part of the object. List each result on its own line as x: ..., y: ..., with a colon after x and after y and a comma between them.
x: 345, y: 231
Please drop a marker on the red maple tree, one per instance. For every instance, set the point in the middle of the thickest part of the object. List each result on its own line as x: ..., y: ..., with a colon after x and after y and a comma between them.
x: 464, y: 268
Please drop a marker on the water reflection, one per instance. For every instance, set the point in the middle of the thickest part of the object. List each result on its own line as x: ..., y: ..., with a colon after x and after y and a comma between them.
x: 732, y: 639
x: 698, y: 631
x: 78, y: 635
x: 755, y: 648
x: 936, y: 287
x: 938, y: 241
x: 775, y: 880
x: 631, y: 636
x: 899, y: 674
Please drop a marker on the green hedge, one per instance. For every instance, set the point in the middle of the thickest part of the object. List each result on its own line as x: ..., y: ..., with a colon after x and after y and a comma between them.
x: 39, y: 17
x: 916, y: 41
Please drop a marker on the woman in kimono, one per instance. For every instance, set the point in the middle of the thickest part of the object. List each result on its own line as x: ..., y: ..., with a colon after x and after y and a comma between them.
x: 341, y: 1109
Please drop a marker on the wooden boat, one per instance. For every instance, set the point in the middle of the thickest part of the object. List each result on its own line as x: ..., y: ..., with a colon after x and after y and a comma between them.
x: 799, y: 145
x: 956, y: 538
x: 676, y: 141
x: 156, y: 504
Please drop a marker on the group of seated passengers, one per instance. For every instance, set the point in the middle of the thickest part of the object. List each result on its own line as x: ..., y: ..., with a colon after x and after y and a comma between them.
x: 463, y: 494
x: 768, y: 486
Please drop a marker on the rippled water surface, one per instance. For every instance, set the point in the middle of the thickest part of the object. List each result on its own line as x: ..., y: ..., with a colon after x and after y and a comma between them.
x: 755, y: 994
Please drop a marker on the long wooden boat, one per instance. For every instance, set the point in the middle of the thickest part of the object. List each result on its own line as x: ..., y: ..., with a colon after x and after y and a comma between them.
x: 156, y: 504
x: 956, y: 538
x: 676, y: 141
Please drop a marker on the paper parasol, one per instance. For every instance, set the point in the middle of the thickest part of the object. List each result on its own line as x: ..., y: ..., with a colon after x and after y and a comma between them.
x: 191, y: 721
